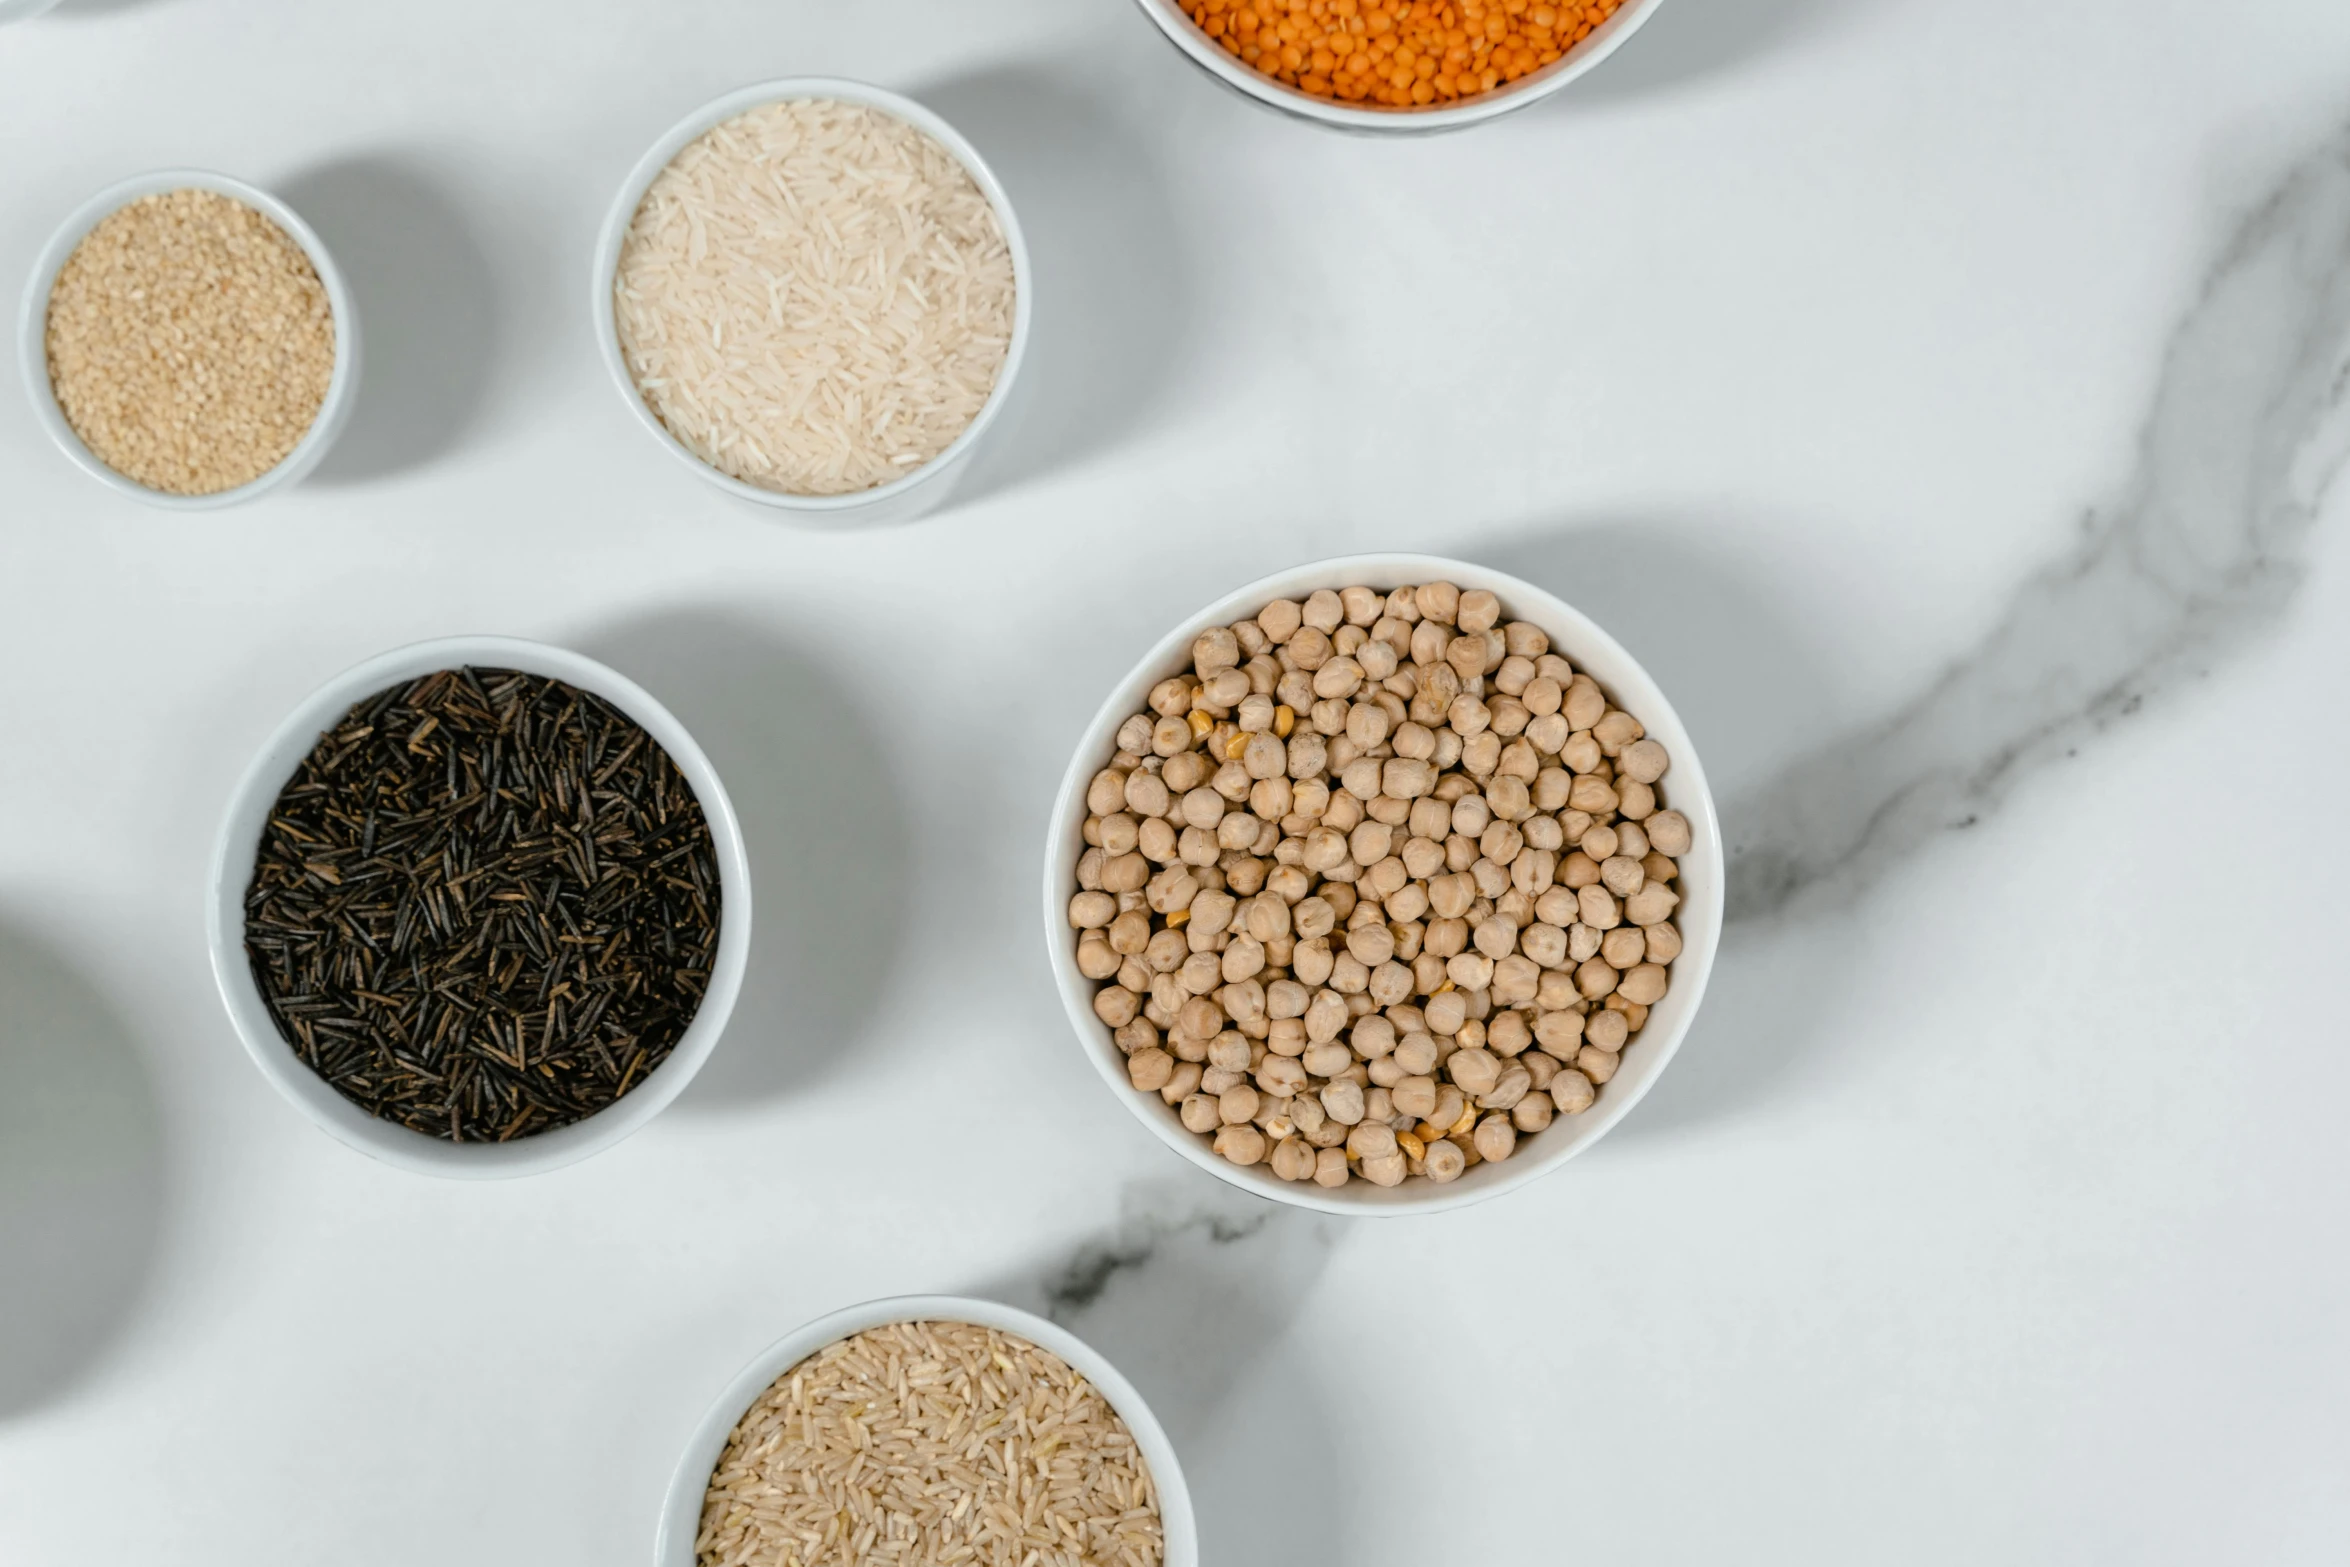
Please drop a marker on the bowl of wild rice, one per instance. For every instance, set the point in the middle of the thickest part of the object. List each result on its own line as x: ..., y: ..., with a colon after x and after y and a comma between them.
x: 928, y: 1429
x: 186, y: 339
x: 1383, y: 885
x: 815, y: 292
x: 479, y: 907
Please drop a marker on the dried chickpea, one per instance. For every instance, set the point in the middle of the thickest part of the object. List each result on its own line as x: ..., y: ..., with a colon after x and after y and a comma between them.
x: 1243, y: 1145
x: 1367, y: 875
x: 1293, y: 1159
x: 1668, y: 833
x: 1444, y: 1161
x: 1496, y: 1139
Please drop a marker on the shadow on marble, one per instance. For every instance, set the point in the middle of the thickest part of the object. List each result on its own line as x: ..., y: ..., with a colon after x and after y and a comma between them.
x: 1727, y: 657
x: 1111, y: 294
x: 1690, y: 40
x: 824, y: 825
x: 1196, y: 1295
x: 429, y: 314
x: 81, y: 1175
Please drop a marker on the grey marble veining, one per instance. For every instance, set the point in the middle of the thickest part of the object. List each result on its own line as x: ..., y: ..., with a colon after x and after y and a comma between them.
x: 1199, y: 1226
x: 2248, y: 426
x: 1195, y: 1293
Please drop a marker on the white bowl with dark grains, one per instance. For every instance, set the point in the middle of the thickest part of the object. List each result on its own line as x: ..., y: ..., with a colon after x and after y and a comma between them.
x: 684, y: 1506
x: 932, y: 465
x: 1696, y: 920
x: 238, y: 842
x: 334, y: 408
x: 1175, y: 23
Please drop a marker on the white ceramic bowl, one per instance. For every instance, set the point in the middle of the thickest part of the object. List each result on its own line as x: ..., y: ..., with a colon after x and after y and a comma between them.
x: 1699, y: 916
x: 239, y: 842
x: 1210, y: 57
x: 681, y: 1509
x: 901, y: 498
x: 33, y: 353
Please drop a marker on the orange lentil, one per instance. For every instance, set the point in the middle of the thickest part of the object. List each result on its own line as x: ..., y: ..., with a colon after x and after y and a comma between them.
x: 1398, y: 53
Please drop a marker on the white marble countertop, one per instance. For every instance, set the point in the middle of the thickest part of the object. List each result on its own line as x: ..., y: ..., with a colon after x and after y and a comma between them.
x: 1941, y: 400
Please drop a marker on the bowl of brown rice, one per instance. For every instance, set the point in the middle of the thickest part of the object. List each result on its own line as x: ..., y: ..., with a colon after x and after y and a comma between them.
x: 815, y: 292
x: 186, y: 339
x: 928, y: 1429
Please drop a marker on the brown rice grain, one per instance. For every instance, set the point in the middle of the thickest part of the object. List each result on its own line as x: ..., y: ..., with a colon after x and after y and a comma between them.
x: 928, y: 1443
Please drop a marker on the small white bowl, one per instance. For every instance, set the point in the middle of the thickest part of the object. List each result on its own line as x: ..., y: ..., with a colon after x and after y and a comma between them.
x: 32, y: 330
x: 239, y: 842
x: 681, y: 1508
x: 901, y: 498
x: 1699, y: 916
x: 1210, y: 57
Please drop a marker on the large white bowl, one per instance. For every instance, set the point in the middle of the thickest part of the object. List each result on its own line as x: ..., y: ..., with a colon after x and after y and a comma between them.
x: 32, y: 329
x: 239, y: 842
x: 901, y: 498
x: 681, y: 1508
x: 1228, y: 69
x: 1573, y: 637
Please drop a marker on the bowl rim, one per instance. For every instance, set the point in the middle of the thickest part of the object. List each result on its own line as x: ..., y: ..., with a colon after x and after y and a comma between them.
x: 237, y: 840
x: 1203, y: 51
x: 742, y: 100
x: 33, y: 349
x: 1577, y: 638
x: 681, y: 1503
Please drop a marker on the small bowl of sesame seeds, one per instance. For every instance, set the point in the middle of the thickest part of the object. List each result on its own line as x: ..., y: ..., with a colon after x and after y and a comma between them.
x: 1397, y: 66
x: 187, y: 340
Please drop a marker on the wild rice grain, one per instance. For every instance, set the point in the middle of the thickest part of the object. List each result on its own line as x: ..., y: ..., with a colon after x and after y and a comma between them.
x: 928, y: 1443
x: 815, y: 297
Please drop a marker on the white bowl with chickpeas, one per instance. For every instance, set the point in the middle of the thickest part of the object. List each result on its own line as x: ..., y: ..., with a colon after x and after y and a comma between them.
x: 1384, y: 884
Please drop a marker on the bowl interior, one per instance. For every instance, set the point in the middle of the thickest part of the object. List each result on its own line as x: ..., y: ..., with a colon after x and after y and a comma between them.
x: 1210, y: 56
x: 900, y: 497
x: 681, y: 1507
x: 232, y: 872
x: 32, y: 336
x: 1684, y: 789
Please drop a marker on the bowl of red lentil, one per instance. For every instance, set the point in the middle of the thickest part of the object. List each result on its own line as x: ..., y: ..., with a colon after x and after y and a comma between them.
x: 1409, y: 66
x: 187, y: 340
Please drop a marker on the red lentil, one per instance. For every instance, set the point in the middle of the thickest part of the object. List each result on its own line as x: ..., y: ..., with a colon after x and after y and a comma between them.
x: 1398, y: 54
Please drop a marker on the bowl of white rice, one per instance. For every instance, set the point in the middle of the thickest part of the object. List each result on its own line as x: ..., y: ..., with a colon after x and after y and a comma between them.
x: 815, y: 293
x: 928, y: 1429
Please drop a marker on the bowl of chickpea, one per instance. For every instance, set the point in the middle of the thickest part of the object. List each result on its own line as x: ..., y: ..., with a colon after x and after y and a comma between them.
x: 1385, y: 884
x: 1397, y: 66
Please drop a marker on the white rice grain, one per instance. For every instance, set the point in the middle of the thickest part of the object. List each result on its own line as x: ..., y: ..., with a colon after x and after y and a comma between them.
x: 815, y: 297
